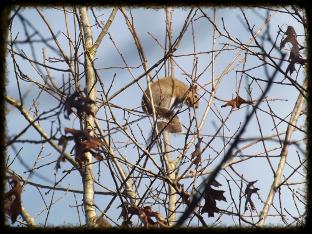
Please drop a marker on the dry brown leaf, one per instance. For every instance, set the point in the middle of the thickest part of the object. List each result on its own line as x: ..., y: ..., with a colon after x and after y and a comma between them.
x: 91, y: 144
x: 211, y: 196
x: 12, y: 199
x: 83, y: 105
x: 84, y: 142
x: 291, y: 36
x: 237, y: 102
x: 145, y: 214
x: 186, y: 197
x: 196, y: 155
x: 76, y: 133
x: 248, y: 192
x: 215, y: 183
x: 294, y: 57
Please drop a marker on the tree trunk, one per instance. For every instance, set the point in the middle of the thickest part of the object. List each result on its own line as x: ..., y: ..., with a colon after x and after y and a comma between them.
x: 87, y: 171
x: 171, y: 166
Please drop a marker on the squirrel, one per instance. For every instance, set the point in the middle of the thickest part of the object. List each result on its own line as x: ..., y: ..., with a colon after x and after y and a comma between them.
x: 169, y: 93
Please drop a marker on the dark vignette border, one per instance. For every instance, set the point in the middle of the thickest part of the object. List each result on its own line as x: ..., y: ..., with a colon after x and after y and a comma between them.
x: 4, y: 16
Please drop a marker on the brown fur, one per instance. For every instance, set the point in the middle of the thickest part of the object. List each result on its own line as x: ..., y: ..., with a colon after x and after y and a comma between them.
x: 167, y: 94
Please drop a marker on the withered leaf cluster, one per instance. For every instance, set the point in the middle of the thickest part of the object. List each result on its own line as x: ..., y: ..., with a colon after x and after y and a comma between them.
x: 211, y: 197
x: 144, y: 213
x: 12, y: 199
x: 248, y: 192
x: 295, y: 56
x: 83, y: 105
x: 237, y: 102
x: 84, y: 142
x: 184, y: 194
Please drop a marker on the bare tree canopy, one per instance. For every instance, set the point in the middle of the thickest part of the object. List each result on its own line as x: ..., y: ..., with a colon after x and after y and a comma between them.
x: 141, y: 117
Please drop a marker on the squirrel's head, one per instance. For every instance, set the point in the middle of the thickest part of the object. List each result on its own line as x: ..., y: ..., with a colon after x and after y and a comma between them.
x: 192, y: 99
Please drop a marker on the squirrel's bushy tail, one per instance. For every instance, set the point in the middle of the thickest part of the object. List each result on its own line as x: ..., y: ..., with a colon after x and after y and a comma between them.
x: 171, y: 125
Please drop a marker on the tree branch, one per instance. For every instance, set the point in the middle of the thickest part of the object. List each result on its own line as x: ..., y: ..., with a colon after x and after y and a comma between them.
x: 283, y: 156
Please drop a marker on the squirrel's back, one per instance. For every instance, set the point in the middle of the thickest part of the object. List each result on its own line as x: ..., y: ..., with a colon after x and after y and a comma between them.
x: 167, y: 94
